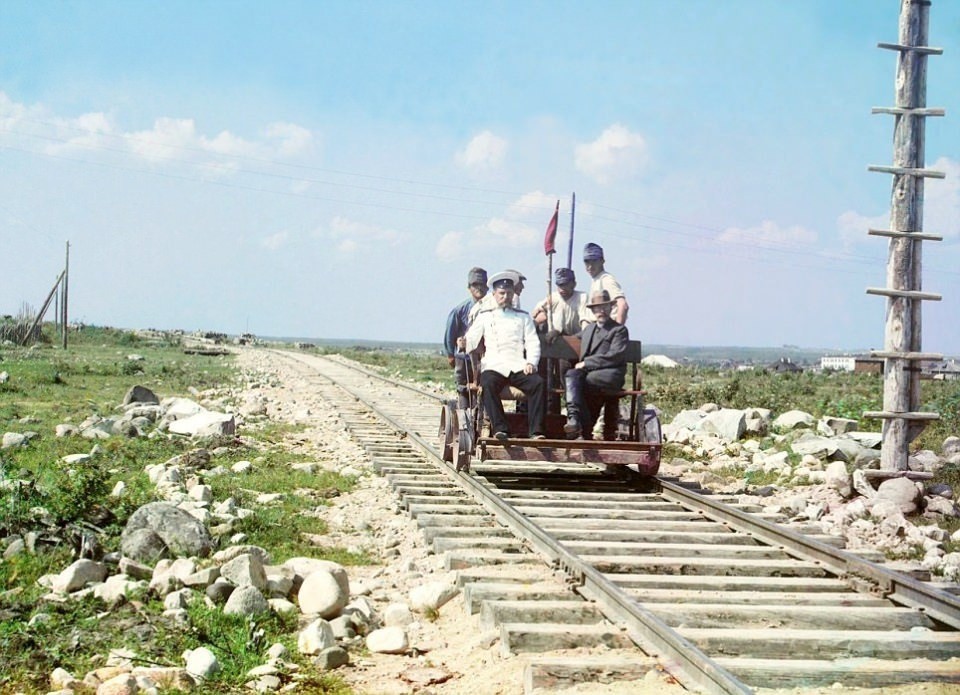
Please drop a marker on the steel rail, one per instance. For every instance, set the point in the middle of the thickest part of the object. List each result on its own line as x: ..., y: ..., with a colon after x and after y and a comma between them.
x: 692, y: 667
x: 860, y: 574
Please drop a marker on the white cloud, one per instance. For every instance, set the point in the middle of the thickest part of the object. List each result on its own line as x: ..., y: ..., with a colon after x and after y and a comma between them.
x: 617, y: 153
x: 941, y: 205
x: 521, y: 225
x: 533, y: 206
x: 450, y: 247
x: 168, y: 140
x: 275, y: 241
x: 352, y: 236
x: 941, y: 208
x: 852, y: 227
x: 768, y: 233
x: 484, y: 151
x: 293, y: 139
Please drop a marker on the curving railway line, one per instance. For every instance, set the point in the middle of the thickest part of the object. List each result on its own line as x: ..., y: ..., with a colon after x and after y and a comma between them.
x: 718, y: 594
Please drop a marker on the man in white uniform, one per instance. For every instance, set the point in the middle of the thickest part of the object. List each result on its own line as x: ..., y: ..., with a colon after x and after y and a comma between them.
x: 602, y: 280
x: 488, y: 302
x: 512, y: 352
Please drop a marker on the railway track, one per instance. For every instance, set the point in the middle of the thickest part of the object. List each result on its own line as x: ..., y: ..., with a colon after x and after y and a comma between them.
x: 566, y: 556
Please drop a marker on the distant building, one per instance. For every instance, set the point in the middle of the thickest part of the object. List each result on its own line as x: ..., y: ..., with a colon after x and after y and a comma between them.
x: 785, y: 366
x: 839, y: 363
x: 948, y: 369
x: 852, y: 363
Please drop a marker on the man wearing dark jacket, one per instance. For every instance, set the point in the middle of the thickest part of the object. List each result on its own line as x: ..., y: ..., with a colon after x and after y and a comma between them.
x: 599, y: 373
x: 457, y: 325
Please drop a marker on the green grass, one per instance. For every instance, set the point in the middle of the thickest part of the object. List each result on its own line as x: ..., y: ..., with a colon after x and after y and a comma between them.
x: 415, y: 367
x: 49, y: 386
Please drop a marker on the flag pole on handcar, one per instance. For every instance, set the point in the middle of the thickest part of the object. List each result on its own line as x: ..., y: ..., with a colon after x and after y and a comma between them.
x: 550, y: 248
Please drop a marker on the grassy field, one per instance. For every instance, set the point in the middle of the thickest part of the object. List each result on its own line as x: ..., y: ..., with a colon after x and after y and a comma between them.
x: 47, y: 386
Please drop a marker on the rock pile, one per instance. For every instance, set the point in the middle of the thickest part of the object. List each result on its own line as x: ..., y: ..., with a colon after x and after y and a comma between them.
x: 827, y: 472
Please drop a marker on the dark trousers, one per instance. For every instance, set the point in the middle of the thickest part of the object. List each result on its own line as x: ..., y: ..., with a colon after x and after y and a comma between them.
x: 492, y: 384
x: 460, y: 375
x: 588, y: 392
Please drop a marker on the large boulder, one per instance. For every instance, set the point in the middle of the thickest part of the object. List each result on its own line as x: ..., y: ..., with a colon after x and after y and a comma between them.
x: 160, y: 530
x: 821, y: 447
x: 728, y: 423
x: 901, y: 491
x: 205, y: 424
x: 792, y: 420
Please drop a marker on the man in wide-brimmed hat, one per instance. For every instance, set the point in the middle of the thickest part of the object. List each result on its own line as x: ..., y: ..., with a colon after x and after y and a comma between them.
x: 599, y: 373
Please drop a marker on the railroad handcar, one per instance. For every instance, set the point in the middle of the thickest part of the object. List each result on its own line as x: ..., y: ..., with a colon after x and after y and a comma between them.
x: 637, y: 441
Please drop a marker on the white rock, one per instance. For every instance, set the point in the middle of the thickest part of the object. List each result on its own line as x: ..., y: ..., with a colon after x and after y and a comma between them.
x: 200, y: 493
x: 315, y: 637
x: 793, y: 419
x: 322, y: 594
x: 78, y: 575
x: 838, y: 479
x: 117, y: 588
x: 282, y: 606
x: 901, y: 491
x: 246, y: 600
x: 432, y: 595
x: 205, y: 424
x: 397, y: 615
x: 245, y: 570
x: 388, y: 640
x: 241, y: 467
x: 201, y: 662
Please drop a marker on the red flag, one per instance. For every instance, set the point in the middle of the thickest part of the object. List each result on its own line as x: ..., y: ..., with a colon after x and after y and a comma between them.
x: 551, y: 237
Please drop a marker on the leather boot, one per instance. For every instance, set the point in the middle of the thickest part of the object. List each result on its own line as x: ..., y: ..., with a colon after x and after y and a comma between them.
x: 574, y: 395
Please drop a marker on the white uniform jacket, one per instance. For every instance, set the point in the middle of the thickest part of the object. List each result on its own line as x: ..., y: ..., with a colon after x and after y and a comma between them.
x: 510, y: 338
x: 489, y: 303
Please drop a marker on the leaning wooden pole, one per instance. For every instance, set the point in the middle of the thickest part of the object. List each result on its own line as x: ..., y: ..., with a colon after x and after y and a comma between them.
x: 902, y: 353
x: 43, y: 310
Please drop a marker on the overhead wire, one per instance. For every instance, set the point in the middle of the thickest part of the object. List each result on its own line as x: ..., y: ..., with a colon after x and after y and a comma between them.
x: 760, y: 246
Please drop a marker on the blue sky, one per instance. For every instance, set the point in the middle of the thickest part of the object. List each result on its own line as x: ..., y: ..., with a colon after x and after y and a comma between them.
x: 333, y: 169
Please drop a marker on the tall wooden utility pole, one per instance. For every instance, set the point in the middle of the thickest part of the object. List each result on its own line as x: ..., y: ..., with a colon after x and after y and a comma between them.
x: 901, y: 353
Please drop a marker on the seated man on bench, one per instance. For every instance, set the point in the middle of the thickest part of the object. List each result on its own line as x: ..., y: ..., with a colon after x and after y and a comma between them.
x: 512, y: 352
x: 599, y: 374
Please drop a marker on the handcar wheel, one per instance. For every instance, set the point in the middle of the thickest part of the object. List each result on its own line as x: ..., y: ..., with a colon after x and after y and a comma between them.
x: 448, y: 429
x: 464, y: 450
x: 648, y: 426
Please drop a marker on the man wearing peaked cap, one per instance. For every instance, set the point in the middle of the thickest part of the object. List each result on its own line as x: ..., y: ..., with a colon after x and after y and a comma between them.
x: 593, y: 261
x: 488, y: 303
x: 563, y: 312
x: 512, y: 353
x: 457, y: 324
x: 567, y: 306
x: 600, y: 372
